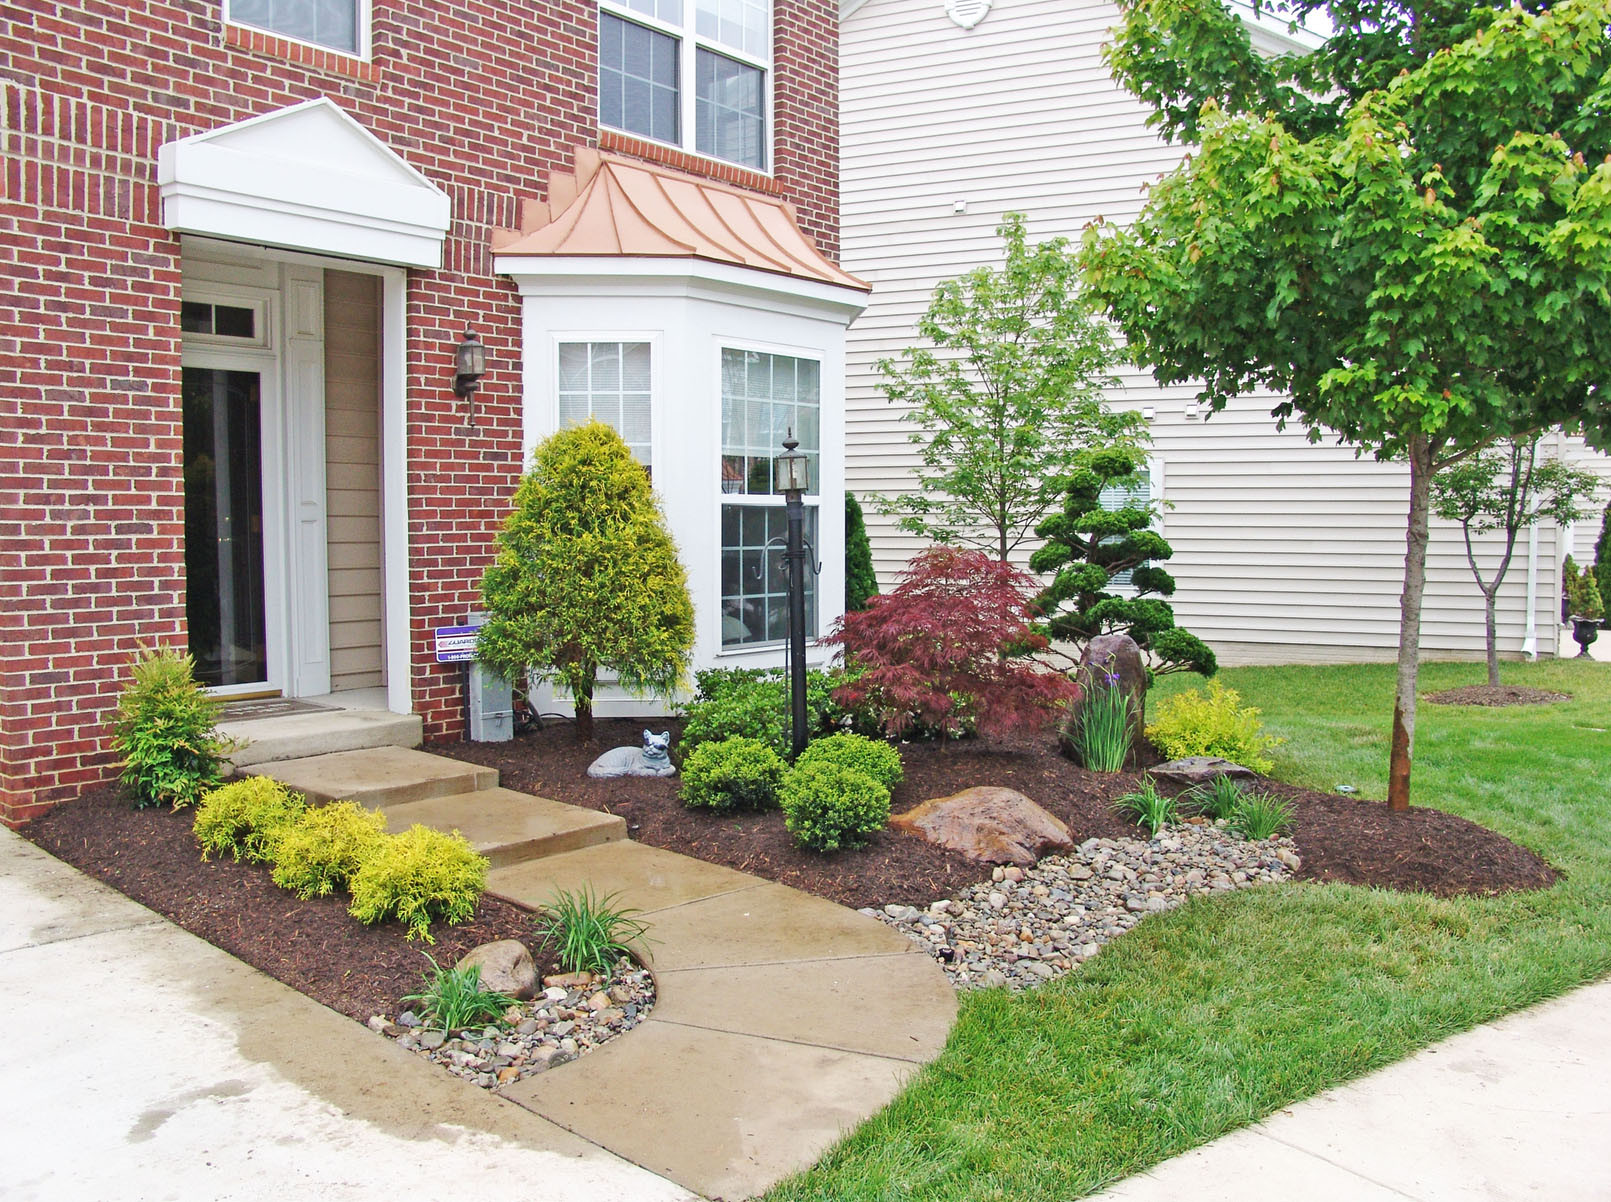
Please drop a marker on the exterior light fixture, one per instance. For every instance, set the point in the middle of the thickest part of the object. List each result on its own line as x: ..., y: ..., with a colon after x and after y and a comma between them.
x: 469, y: 365
x: 791, y: 473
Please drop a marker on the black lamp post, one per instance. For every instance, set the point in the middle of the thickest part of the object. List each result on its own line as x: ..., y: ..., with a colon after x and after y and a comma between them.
x: 791, y: 475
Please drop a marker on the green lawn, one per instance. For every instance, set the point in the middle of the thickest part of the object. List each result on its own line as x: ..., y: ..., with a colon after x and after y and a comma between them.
x: 1215, y: 1014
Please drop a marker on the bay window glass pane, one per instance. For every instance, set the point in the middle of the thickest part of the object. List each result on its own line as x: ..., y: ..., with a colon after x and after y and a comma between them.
x: 755, y: 576
x: 332, y: 23
x: 764, y: 397
x: 608, y: 381
x: 729, y: 110
x: 637, y: 79
x: 738, y: 24
x: 669, y: 11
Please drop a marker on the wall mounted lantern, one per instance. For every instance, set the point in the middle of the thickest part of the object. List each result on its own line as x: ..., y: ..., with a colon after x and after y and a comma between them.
x: 469, y: 365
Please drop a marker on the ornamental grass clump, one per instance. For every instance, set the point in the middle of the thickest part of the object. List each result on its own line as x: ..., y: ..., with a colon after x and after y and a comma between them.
x: 736, y: 773
x: 419, y: 877
x: 1216, y: 724
x: 453, y: 998
x: 245, y: 819
x: 827, y: 807
x: 1148, y: 807
x: 871, y: 757
x: 323, y: 849
x: 1218, y: 798
x: 589, y: 933
x: 1100, y: 736
x: 164, y: 732
x: 1260, y: 816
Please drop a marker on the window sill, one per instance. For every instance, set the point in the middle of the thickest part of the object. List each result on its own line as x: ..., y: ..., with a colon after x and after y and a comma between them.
x: 270, y: 45
x: 616, y: 142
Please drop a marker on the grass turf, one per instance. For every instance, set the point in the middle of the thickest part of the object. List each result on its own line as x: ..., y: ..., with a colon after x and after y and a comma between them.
x: 1213, y: 1015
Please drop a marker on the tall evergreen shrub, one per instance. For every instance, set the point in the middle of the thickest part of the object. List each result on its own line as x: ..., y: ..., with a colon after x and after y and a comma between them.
x: 861, y: 581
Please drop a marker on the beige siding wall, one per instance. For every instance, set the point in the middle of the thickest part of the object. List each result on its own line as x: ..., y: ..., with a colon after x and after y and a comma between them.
x: 1284, y: 550
x: 352, y: 473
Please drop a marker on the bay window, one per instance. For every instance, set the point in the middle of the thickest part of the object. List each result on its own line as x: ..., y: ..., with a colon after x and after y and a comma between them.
x: 698, y: 83
x: 765, y: 397
x: 608, y: 381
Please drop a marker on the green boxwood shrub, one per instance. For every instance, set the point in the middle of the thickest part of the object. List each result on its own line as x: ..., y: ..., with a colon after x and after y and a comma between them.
x: 164, y: 732
x: 827, y: 806
x: 870, y: 757
x: 738, y: 772
x: 323, y: 850
x: 419, y: 877
x: 245, y: 819
x: 1215, y: 723
x: 753, y: 703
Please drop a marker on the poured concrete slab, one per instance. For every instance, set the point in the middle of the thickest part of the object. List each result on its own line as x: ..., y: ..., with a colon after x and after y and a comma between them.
x: 726, y: 1115
x: 509, y: 827
x: 378, y: 776
x: 825, y: 1002
x: 196, y: 1076
x: 300, y: 735
x: 644, y: 876
x: 769, y: 924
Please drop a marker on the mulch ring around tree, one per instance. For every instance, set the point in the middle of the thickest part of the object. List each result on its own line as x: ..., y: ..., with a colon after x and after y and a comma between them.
x: 1495, y: 695
x: 314, y: 946
x: 1339, y: 839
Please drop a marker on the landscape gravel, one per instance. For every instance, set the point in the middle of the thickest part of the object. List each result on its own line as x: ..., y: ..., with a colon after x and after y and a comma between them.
x: 573, y: 1014
x: 1026, y: 926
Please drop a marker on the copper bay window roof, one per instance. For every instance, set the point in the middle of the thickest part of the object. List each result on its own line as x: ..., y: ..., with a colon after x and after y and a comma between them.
x: 621, y: 207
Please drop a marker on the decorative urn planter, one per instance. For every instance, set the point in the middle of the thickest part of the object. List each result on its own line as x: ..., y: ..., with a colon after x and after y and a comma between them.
x: 1584, y: 632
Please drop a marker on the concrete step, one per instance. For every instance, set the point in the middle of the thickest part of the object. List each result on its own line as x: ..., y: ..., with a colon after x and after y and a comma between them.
x: 265, y: 740
x: 378, y: 776
x: 508, y: 827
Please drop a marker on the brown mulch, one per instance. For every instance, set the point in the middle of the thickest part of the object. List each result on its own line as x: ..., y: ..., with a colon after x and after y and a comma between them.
x: 312, y: 946
x: 1339, y: 839
x: 1496, y: 694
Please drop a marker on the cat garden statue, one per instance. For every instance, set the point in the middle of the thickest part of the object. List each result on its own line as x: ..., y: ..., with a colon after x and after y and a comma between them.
x: 649, y: 760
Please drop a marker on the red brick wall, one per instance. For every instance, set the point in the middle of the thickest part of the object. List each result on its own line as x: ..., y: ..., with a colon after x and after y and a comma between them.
x: 485, y: 99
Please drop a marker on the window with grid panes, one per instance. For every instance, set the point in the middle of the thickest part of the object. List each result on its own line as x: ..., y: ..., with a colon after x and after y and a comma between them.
x: 691, y: 73
x: 1136, y: 492
x: 337, y: 24
x: 764, y: 398
x: 608, y: 381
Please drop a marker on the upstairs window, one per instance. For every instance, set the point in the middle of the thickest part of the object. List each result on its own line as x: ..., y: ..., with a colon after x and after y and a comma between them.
x: 335, y: 24
x: 690, y: 73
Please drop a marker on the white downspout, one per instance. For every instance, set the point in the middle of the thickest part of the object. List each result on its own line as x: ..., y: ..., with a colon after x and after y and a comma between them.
x: 1530, y: 638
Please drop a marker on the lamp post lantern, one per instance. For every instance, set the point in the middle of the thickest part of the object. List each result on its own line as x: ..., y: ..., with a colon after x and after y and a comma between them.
x: 791, y: 477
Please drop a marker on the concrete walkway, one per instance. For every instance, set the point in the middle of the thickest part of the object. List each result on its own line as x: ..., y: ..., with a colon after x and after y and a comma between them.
x: 143, y: 1063
x: 1515, y: 1110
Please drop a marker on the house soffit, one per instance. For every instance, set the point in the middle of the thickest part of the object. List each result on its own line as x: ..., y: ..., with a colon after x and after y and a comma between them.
x: 308, y: 177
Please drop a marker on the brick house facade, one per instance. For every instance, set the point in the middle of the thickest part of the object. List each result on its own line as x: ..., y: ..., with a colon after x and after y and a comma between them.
x: 485, y: 102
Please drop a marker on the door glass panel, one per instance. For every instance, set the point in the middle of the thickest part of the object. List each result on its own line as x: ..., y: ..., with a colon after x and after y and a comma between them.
x: 224, y: 526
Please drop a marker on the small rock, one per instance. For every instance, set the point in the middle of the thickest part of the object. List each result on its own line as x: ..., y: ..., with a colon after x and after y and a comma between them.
x: 505, y: 966
x: 555, y: 994
x: 997, y: 900
x: 569, y: 980
x: 599, y: 1001
x: 378, y: 1023
x: 408, y: 1019
x: 507, y: 1075
x: 431, y: 1040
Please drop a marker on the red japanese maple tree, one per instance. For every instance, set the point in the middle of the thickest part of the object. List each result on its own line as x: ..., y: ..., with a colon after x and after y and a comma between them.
x: 951, y: 646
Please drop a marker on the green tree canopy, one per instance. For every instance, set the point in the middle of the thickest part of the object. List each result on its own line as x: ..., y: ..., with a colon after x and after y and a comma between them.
x: 1007, y: 392
x: 586, y: 577
x: 1406, y: 232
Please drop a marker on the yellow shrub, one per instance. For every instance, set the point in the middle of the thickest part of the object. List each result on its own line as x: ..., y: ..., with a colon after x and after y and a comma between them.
x: 245, y: 819
x: 325, y: 848
x: 1191, y: 723
x: 419, y: 876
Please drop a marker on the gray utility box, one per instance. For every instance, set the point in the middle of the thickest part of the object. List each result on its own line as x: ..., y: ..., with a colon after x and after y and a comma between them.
x: 492, y: 704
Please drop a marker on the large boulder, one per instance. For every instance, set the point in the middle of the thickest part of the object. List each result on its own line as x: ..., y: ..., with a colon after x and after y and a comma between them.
x: 506, y: 967
x: 1111, y: 661
x: 987, y: 824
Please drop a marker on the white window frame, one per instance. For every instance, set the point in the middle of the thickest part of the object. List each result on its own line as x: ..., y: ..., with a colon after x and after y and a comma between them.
x: 596, y: 340
x: 1155, y: 497
x: 811, y: 501
x: 361, y: 53
x: 551, y: 399
x: 688, y: 44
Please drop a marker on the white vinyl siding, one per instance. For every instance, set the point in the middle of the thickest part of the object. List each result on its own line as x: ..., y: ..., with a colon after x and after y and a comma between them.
x: 1284, y: 549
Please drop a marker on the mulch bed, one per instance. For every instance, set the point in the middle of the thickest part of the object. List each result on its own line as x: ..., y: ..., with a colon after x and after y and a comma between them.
x: 312, y: 946
x: 1496, y: 694
x: 1338, y: 838
x: 317, y: 948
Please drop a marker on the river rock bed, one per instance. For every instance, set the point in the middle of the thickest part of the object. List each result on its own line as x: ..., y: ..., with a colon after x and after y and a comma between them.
x: 1028, y: 925
x: 572, y: 1014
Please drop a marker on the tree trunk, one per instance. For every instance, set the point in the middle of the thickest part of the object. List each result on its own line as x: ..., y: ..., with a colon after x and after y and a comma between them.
x: 1493, y: 637
x: 583, y: 696
x: 1409, y: 629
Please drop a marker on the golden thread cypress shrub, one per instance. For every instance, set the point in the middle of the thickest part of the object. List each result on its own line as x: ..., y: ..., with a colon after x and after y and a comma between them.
x: 245, y: 819
x: 1192, y: 723
x: 419, y: 877
x: 323, y: 850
